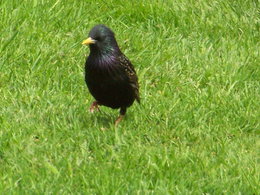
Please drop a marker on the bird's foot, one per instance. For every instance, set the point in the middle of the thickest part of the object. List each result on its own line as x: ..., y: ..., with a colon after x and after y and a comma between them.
x: 118, y: 120
x: 94, y: 106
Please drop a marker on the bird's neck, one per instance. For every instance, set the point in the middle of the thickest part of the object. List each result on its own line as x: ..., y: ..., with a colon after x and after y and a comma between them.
x: 108, y: 51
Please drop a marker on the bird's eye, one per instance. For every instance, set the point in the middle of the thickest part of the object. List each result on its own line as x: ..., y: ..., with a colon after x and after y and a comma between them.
x: 98, y: 38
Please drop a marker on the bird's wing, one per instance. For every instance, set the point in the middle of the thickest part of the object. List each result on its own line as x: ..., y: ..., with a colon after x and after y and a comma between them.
x: 129, y: 69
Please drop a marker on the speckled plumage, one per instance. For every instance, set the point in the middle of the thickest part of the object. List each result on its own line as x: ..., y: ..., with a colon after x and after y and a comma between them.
x: 109, y: 75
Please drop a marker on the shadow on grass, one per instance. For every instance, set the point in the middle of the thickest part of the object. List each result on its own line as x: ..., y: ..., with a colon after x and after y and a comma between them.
x: 99, y: 119
x: 104, y: 119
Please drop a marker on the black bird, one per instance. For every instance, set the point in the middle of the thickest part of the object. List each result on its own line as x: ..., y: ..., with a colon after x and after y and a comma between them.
x: 109, y: 75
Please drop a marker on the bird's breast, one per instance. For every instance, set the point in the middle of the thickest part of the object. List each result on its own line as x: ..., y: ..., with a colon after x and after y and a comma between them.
x: 108, y: 82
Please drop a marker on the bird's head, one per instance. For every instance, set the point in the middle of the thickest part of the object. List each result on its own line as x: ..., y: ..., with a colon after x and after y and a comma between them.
x: 101, y: 40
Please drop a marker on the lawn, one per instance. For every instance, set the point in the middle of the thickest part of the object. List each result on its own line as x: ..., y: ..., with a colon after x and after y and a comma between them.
x: 196, y: 130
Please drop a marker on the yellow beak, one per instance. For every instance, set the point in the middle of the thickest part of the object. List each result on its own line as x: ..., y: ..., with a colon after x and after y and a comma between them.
x: 88, y: 41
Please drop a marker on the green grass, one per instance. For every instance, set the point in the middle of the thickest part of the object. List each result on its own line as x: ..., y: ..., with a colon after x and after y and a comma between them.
x: 196, y: 130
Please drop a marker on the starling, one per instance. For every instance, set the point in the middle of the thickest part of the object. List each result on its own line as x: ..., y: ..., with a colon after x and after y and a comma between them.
x: 109, y: 75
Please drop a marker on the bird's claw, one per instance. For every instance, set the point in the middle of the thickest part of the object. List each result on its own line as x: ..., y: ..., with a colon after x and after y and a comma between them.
x: 119, y: 119
x: 93, y: 107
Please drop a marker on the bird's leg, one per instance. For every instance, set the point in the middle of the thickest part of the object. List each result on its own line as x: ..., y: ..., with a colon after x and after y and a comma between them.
x: 121, y: 116
x: 94, y: 106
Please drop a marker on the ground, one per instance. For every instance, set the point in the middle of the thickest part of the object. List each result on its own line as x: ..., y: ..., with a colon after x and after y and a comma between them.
x: 196, y: 130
